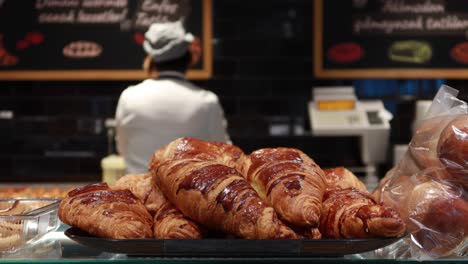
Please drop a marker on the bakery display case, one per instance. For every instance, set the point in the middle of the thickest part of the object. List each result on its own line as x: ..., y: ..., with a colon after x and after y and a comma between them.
x: 56, y: 247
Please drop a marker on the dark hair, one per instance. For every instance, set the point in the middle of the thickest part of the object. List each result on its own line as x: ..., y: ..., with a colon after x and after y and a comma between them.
x: 180, y: 64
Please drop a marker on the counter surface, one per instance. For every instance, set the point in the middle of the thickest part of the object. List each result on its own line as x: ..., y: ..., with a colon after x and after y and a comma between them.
x: 56, y: 247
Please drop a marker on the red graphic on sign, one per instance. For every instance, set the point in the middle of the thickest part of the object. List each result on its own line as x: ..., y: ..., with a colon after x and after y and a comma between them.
x: 34, y: 38
x: 196, y: 50
x: 31, y: 38
x: 346, y: 52
x: 6, y: 59
x: 22, y: 44
x: 139, y: 38
x: 460, y: 52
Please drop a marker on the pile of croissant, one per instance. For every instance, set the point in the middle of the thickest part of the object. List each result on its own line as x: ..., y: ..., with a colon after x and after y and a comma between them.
x: 196, y: 189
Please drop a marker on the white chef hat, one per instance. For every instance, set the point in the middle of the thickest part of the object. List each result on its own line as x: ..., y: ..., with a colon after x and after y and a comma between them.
x: 167, y: 41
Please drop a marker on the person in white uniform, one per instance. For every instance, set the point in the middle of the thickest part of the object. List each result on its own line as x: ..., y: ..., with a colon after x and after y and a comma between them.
x: 154, y: 112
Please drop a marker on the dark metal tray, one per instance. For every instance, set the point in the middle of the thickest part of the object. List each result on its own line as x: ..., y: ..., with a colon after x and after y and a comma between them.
x: 229, y: 247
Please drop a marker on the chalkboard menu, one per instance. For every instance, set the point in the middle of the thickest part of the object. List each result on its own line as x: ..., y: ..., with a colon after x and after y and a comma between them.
x: 391, y: 39
x: 92, y: 39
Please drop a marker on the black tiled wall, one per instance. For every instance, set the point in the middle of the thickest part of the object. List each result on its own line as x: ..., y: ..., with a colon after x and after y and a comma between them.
x: 262, y: 74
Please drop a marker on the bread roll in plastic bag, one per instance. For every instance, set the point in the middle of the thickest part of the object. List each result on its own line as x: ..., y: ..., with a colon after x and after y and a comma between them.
x: 429, y: 184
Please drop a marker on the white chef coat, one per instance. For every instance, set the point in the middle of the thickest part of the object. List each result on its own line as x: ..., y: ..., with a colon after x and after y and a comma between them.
x: 153, y: 113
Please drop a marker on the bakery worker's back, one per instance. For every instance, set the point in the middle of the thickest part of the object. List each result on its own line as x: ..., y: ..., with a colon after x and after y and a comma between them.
x: 154, y: 112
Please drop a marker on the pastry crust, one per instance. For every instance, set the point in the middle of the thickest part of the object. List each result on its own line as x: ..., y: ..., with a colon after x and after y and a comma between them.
x: 142, y: 187
x: 218, y: 197
x: 108, y: 213
x: 192, y: 148
x: 350, y: 213
x: 342, y: 178
x: 169, y: 222
x: 290, y: 181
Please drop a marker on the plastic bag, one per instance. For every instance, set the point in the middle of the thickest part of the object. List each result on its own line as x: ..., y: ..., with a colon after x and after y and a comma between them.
x: 429, y: 185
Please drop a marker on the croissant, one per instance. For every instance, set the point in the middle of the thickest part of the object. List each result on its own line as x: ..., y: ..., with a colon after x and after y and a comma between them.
x: 169, y: 222
x: 141, y: 186
x: 219, y: 198
x: 288, y: 180
x: 307, y: 233
x: 108, y: 213
x: 192, y: 148
x: 350, y: 213
x: 342, y: 178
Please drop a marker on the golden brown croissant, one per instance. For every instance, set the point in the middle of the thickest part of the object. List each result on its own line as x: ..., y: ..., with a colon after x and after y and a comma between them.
x: 218, y: 197
x: 192, y: 148
x: 350, y: 213
x: 342, y: 178
x: 307, y: 233
x: 169, y: 222
x: 288, y: 180
x: 141, y: 186
x: 103, y: 212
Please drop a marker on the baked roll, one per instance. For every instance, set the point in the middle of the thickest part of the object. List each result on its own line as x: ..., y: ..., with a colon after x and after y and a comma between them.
x: 350, y: 213
x: 108, y: 213
x: 169, y: 222
x: 452, y: 150
x: 423, y: 145
x: 437, y: 217
x: 219, y: 198
x: 288, y: 180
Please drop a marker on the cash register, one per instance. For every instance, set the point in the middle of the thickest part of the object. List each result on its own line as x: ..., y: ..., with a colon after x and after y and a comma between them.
x: 336, y: 111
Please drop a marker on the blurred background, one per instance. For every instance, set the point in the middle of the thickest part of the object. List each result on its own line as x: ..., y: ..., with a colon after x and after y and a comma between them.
x: 262, y: 73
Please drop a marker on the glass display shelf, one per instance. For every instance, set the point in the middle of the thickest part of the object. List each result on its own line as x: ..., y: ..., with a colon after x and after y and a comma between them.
x: 56, y: 247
